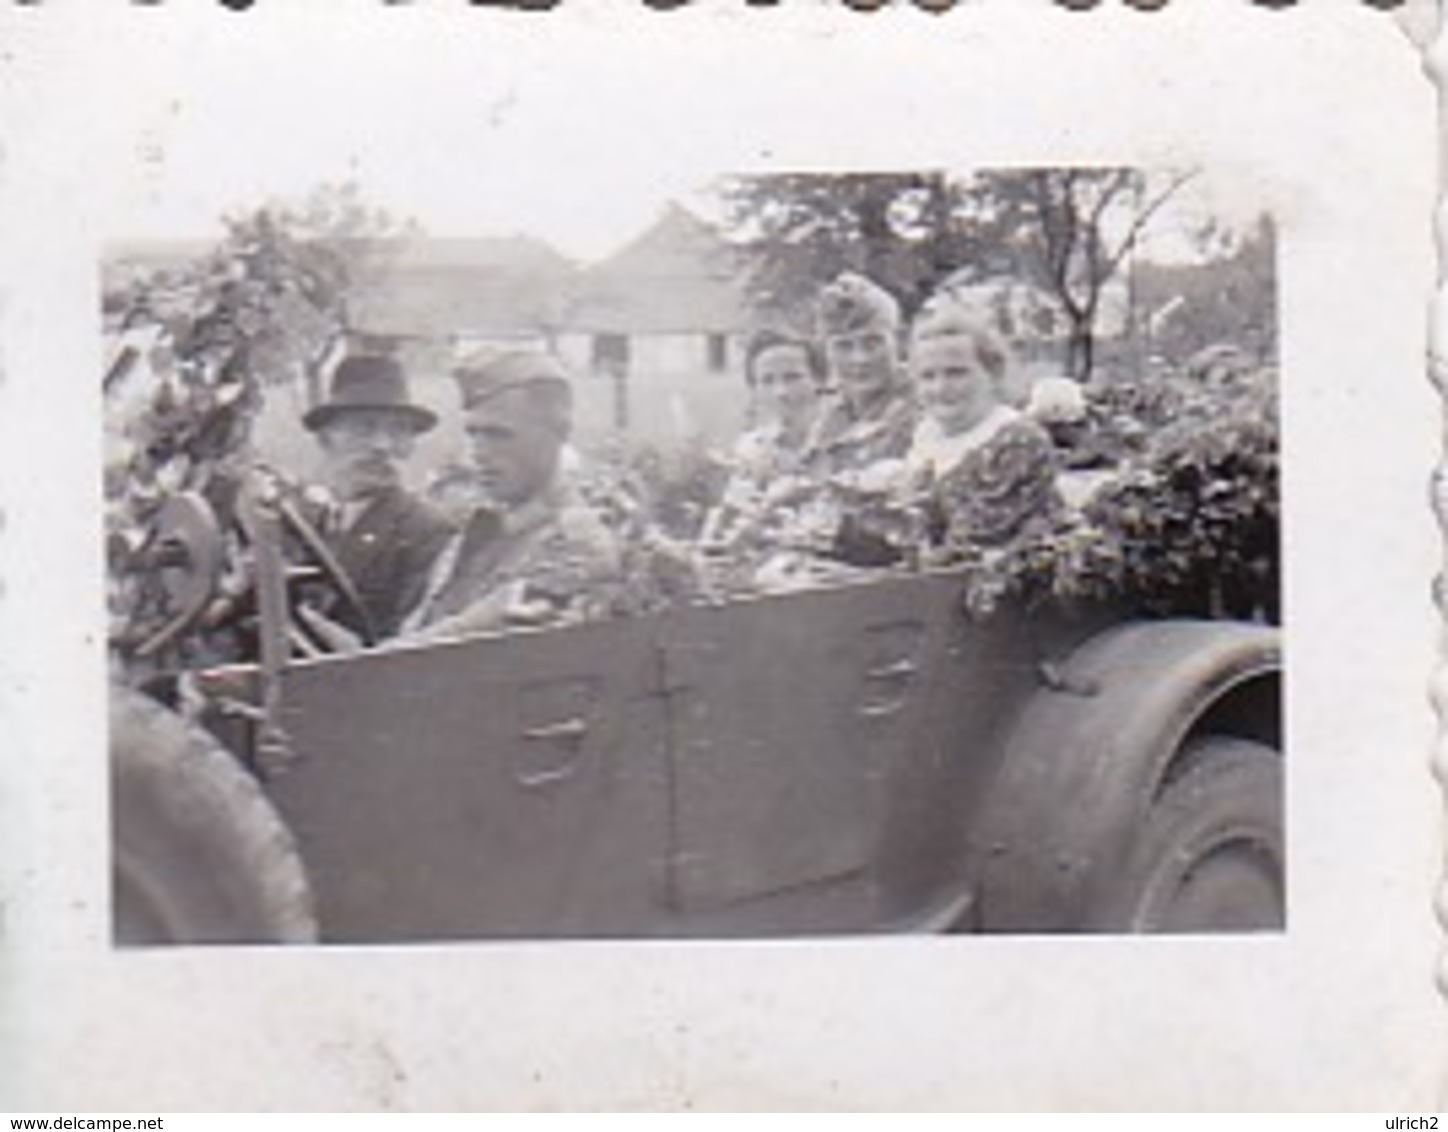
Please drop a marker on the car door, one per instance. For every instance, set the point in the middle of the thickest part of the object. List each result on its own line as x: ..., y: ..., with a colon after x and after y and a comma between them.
x: 787, y: 717
x: 505, y: 786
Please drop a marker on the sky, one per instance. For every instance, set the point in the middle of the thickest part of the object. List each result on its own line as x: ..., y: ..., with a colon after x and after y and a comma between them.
x: 571, y: 140
x: 590, y: 230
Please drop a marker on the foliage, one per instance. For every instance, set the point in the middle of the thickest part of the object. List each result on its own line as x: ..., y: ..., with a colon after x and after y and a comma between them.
x: 1065, y: 231
x: 197, y: 341
x: 1186, y: 524
x: 655, y: 500
x: 1069, y: 231
x: 1230, y: 297
x: 799, y: 230
x: 1183, y: 517
x: 1179, y: 516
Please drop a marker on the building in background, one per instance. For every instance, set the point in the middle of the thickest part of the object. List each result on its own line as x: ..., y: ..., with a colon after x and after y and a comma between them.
x: 652, y: 334
x: 657, y: 329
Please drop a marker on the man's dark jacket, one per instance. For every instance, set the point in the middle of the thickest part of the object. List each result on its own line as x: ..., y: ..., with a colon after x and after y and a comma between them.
x: 388, y: 551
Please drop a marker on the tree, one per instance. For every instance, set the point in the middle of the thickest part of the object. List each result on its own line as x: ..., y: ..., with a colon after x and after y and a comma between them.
x: 796, y: 231
x: 269, y: 303
x: 197, y: 340
x: 1070, y: 231
x: 1227, y: 296
x: 308, y: 257
x: 1066, y: 231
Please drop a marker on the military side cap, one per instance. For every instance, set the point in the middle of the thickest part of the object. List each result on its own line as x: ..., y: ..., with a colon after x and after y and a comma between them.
x: 483, y: 375
x: 852, y: 304
x: 950, y: 312
x: 372, y: 382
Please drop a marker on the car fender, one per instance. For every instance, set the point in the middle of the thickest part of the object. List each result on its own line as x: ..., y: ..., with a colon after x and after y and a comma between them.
x: 1089, y: 753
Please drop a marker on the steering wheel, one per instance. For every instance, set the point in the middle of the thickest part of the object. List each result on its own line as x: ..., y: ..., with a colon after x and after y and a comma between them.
x: 184, y: 553
x: 330, y: 568
x: 185, y: 558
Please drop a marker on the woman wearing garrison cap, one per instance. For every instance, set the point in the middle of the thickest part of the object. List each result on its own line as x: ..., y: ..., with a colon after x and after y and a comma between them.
x: 823, y: 522
x: 873, y: 417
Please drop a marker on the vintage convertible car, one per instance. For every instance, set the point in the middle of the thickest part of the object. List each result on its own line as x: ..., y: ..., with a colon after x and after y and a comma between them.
x: 861, y: 758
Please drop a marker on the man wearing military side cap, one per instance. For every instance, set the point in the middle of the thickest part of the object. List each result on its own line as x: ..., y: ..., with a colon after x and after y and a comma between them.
x: 535, y: 553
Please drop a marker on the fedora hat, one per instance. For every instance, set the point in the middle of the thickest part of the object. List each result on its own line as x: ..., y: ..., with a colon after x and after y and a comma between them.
x: 369, y: 381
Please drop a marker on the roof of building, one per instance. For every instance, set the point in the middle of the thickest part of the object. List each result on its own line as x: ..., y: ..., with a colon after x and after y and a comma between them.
x: 515, y: 253
x: 450, y: 287
x: 678, y: 276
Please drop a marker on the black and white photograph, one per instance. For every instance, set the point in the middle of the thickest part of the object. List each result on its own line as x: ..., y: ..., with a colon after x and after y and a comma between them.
x: 738, y: 558
x: 791, y: 569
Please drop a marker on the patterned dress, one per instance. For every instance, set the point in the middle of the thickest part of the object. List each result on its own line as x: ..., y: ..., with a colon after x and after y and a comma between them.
x: 834, y: 515
x: 762, y: 459
x: 846, y: 440
x: 988, y: 484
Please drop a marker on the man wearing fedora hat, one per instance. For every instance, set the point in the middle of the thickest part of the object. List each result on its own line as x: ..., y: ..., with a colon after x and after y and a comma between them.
x: 385, y: 538
x: 535, y: 553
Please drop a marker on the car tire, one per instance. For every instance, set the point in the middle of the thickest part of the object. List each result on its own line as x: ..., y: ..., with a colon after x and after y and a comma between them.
x: 1210, y: 855
x: 200, y: 855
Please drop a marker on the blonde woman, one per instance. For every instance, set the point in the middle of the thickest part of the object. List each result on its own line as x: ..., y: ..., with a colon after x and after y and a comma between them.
x: 987, y: 469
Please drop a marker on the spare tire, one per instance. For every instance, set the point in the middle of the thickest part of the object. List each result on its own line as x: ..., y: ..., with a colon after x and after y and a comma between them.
x: 200, y: 855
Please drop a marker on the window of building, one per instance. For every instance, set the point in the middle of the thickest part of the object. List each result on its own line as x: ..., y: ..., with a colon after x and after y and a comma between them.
x: 718, y: 350
x: 610, y: 353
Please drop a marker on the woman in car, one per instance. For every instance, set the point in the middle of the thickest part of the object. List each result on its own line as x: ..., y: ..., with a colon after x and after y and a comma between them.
x: 985, y: 469
x: 785, y: 375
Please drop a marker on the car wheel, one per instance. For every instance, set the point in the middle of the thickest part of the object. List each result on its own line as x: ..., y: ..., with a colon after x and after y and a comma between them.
x: 1210, y: 855
x: 200, y: 856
